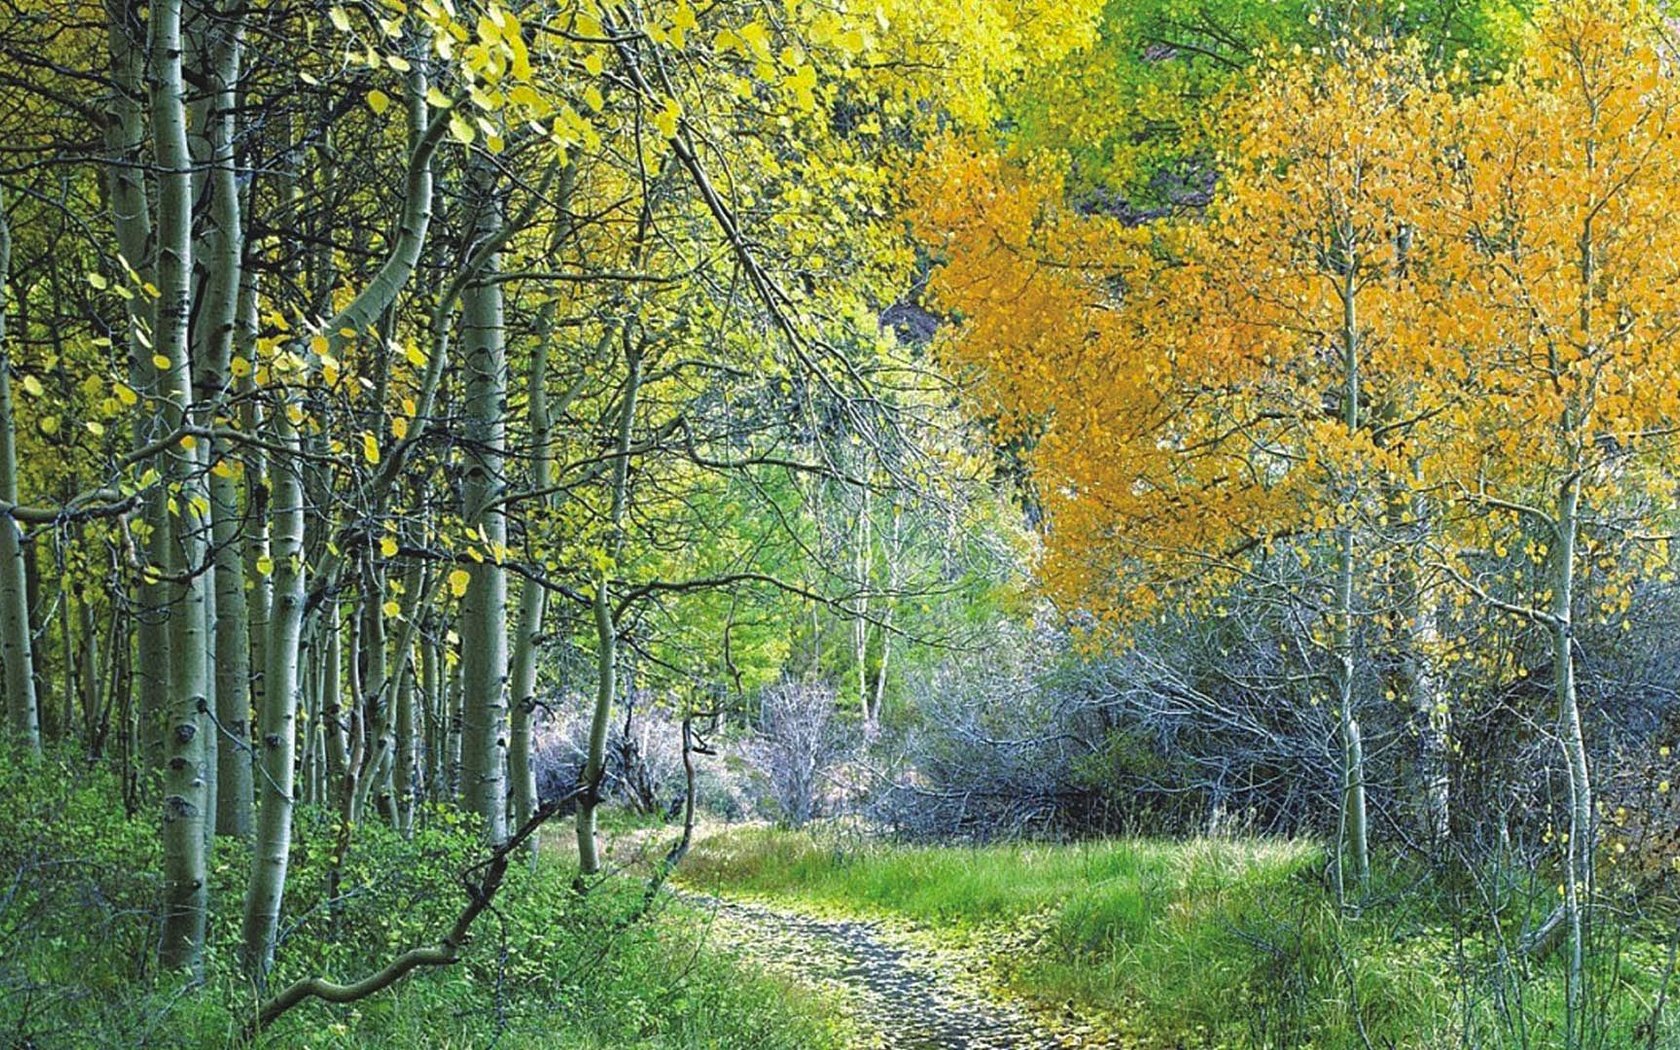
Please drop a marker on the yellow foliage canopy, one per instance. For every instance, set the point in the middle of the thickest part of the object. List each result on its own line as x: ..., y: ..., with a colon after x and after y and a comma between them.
x: 1399, y: 285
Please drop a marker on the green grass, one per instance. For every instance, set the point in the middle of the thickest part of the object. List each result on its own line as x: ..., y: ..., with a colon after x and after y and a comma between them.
x: 1227, y: 943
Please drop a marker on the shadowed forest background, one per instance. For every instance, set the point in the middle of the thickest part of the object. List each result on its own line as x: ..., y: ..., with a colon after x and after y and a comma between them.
x: 716, y: 523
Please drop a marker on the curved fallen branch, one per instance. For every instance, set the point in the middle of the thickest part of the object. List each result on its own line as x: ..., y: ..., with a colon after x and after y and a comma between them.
x: 481, y: 891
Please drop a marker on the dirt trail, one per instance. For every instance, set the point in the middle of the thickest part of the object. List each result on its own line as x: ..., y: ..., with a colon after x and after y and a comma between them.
x: 901, y: 993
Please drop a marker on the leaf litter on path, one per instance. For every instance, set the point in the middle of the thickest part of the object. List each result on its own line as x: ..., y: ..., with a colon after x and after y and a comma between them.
x: 902, y: 987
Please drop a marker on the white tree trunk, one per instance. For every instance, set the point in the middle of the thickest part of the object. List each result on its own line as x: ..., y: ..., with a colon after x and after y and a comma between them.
x: 22, y: 707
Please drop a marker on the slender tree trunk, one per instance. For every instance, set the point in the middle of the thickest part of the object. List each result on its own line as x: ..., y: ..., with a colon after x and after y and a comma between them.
x: 311, y: 748
x: 37, y: 621
x: 863, y: 563
x: 94, y: 715
x: 22, y: 708
x: 1353, y: 819
x: 405, y: 782
x: 219, y: 252
x: 1412, y: 635
x: 278, y: 740
x: 381, y: 727
x: 1578, y: 886
x: 532, y: 600
x: 484, y: 634
x: 333, y: 737
x: 125, y: 140
x: 452, y: 743
x: 349, y: 795
x: 70, y: 663
x: 606, y: 630
x: 894, y: 556
x: 186, y: 776
x: 436, y: 711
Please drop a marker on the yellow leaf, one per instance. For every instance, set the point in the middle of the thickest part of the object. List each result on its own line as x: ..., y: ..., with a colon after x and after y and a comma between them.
x: 98, y: 281
x: 378, y: 101
x: 803, y: 82
x: 125, y: 394
x: 340, y: 19
x: 370, y: 448
x: 462, y: 129
x: 458, y: 581
x: 525, y: 95
x: 160, y: 362
x: 388, y: 546
x: 391, y: 608
x: 666, y: 119
x: 265, y: 565
x: 32, y: 386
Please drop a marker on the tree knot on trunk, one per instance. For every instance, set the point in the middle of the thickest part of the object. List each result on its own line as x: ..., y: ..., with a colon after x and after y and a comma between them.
x: 176, y: 807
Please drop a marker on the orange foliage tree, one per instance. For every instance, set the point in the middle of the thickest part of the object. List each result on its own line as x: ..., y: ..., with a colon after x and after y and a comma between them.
x: 1417, y: 325
x: 1200, y: 390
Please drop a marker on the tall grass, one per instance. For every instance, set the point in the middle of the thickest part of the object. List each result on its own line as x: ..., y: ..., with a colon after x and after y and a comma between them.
x: 1202, y: 943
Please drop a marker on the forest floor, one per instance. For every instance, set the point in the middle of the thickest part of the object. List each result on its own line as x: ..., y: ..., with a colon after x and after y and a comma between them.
x: 899, y: 984
x: 896, y: 981
x: 1131, y: 944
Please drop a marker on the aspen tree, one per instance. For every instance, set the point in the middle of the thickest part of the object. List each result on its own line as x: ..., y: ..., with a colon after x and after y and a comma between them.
x: 185, y: 521
x: 484, y: 627
x: 22, y: 710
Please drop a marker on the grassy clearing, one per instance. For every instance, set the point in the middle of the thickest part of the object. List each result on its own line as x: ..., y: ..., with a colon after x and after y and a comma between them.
x: 1230, y: 943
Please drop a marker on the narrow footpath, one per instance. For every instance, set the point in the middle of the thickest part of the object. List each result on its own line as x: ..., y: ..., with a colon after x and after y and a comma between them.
x: 901, y: 993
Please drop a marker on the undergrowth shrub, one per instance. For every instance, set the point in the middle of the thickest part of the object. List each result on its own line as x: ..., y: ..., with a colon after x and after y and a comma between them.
x: 547, y: 968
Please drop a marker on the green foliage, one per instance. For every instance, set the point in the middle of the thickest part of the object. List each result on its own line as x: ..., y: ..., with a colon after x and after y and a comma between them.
x: 1127, y: 113
x: 78, y: 926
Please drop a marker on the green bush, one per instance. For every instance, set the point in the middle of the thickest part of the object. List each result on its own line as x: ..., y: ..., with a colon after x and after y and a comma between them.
x: 548, y: 968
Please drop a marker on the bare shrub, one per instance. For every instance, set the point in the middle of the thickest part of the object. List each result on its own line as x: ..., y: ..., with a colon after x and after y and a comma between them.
x: 644, y: 753
x: 798, y: 745
x: 993, y: 751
